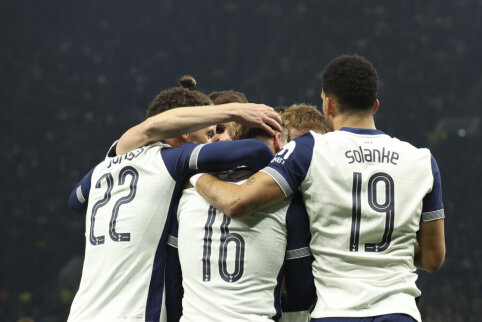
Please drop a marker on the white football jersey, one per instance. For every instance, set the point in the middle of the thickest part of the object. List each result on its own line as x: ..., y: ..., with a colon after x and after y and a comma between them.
x: 131, y: 199
x: 365, y: 193
x: 232, y: 269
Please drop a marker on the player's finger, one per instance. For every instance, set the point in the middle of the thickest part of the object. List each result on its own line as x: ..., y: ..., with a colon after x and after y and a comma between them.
x: 274, y: 120
x: 268, y: 129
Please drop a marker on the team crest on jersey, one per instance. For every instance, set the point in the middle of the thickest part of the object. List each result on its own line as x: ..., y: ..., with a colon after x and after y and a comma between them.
x: 284, y: 153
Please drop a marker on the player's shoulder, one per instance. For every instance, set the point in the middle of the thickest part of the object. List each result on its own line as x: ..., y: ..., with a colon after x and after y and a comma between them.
x: 407, y: 146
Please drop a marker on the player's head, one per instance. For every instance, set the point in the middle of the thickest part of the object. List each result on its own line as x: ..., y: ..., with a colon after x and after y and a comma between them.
x: 228, y: 96
x: 182, y: 96
x: 275, y: 143
x: 301, y: 118
x: 350, y: 82
x: 225, y: 97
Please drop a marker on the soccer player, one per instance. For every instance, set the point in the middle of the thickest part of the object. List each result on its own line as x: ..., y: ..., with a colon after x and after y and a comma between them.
x: 370, y: 198
x: 232, y: 269
x: 225, y: 97
x: 170, y: 116
x: 130, y: 199
x: 301, y: 118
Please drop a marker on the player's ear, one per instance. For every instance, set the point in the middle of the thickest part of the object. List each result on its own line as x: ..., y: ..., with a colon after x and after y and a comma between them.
x: 330, y: 106
x: 184, y: 138
x: 276, y: 141
x: 375, y: 106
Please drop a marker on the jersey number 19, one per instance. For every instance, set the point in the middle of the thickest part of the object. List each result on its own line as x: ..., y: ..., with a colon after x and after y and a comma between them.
x: 388, y: 208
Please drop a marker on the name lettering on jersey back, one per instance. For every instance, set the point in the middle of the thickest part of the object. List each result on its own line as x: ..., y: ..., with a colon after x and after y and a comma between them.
x: 125, y: 157
x: 363, y: 155
x: 284, y: 153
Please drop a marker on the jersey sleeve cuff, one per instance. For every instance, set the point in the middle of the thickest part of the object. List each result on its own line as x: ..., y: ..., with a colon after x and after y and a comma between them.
x: 79, y: 194
x: 298, y: 253
x: 172, y: 241
x: 433, y: 215
x: 280, y: 180
x: 194, y: 157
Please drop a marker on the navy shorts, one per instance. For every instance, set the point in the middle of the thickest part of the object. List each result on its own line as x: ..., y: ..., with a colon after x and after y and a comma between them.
x: 378, y: 318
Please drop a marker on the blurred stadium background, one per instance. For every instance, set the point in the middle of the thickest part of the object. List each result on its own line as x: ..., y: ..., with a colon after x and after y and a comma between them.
x: 75, y: 75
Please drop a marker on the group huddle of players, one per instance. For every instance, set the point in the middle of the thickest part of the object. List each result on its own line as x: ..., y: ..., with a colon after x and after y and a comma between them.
x: 216, y: 209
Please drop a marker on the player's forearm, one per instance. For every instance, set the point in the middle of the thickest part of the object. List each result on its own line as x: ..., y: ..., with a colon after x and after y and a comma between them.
x: 430, y: 261
x: 174, y: 123
x: 221, y: 195
x: 238, y: 201
x: 430, y: 252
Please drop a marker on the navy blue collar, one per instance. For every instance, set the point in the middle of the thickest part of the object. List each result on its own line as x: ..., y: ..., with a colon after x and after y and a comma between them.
x: 361, y: 131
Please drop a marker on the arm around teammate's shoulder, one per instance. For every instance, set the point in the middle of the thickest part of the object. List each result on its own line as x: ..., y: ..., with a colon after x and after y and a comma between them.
x: 238, y: 201
x: 430, y: 251
x: 183, y: 120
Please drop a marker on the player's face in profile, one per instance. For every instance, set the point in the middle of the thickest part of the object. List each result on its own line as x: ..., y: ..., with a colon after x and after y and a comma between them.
x: 221, y: 133
x: 202, y: 136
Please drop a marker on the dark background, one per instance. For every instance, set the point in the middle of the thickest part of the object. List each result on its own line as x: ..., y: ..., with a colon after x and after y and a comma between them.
x: 75, y: 75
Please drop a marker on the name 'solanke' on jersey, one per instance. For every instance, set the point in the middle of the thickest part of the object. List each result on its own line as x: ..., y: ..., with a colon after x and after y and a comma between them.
x: 125, y: 157
x: 372, y: 155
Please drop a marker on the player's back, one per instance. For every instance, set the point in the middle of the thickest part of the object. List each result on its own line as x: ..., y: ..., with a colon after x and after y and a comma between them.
x: 363, y: 192
x: 128, y: 206
x: 231, y: 268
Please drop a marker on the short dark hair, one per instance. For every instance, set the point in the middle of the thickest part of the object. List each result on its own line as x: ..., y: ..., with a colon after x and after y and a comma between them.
x: 186, y: 95
x: 352, y: 81
x: 228, y: 96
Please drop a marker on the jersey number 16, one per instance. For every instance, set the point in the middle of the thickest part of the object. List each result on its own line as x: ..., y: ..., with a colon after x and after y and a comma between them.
x: 226, y: 238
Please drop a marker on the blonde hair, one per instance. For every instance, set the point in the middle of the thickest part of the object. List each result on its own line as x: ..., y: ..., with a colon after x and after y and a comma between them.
x: 304, y: 118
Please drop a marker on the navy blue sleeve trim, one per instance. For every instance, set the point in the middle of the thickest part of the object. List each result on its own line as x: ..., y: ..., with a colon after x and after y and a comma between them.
x: 79, y: 197
x: 227, y: 155
x: 112, y: 150
x: 298, y: 227
x: 174, y: 289
x: 292, y: 163
x: 300, y: 285
x: 432, y: 202
x: 177, y: 160
x: 189, y: 158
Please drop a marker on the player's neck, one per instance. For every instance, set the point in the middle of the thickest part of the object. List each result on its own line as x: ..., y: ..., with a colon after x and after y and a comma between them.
x: 354, y: 121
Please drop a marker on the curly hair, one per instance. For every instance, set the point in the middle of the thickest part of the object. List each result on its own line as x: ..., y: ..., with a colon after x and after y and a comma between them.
x: 178, y: 97
x: 352, y: 81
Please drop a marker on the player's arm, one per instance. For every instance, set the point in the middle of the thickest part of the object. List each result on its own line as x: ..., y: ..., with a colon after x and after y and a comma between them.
x: 218, y: 156
x: 430, y: 253
x: 271, y: 185
x: 79, y: 196
x: 173, y: 278
x: 238, y: 201
x: 300, y: 292
x: 183, y: 120
x: 189, y: 158
x: 430, y: 248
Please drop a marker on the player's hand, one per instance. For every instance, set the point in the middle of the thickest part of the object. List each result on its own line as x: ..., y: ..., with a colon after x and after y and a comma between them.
x: 259, y: 116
